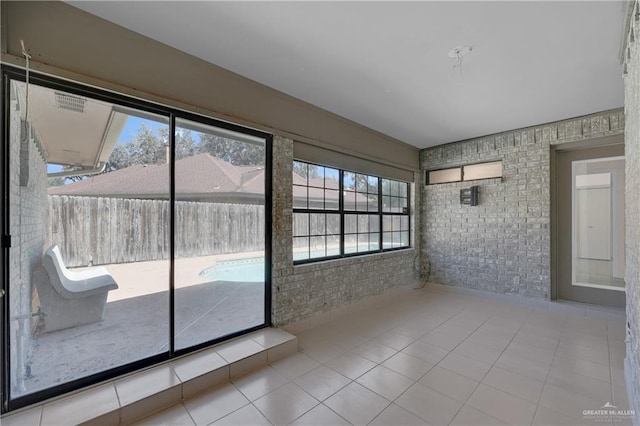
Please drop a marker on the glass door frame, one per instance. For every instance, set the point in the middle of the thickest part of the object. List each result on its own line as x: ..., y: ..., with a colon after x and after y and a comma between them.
x: 9, y: 73
x: 574, y: 225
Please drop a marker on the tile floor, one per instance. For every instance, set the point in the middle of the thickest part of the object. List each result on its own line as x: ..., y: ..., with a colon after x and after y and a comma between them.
x: 432, y: 357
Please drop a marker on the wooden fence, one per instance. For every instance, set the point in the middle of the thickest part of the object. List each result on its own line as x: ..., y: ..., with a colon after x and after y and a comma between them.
x: 100, y: 231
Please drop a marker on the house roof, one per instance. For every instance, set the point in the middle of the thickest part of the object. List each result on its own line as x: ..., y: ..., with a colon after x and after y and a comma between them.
x: 199, y: 176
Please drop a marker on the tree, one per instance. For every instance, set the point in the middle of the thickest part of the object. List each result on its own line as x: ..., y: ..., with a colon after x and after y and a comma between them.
x: 232, y: 151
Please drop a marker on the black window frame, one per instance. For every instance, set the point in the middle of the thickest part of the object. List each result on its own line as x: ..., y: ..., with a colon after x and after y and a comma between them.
x: 380, y: 212
x: 9, y: 73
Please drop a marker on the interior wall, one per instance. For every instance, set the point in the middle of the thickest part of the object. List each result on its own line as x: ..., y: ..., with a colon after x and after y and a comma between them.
x: 503, y: 245
x: 632, y: 206
x: 71, y: 43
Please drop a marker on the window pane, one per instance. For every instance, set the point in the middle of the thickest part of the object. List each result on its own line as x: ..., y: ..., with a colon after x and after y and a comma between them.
x: 363, y: 242
x: 403, y: 189
x: 219, y: 233
x: 331, y: 178
x: 299, y: 197
x: 374, y: 241
x: 350, y: 243
x: 373, y: 202
x: 374, y: 223
x: 318, y: 246
x: 300, y: 224
x: 90, y: 225
x: 350, y: 224
x: 363, y: 223
x: 386, y: 204
x: 373, y: 185
x: 316, y: 198
x: 331, y: 199
x: 317, y: 224
x: 404, y: 238
x: 396, y: 223
x: 404, y: 225
x: 333, y: 224
x: 316, y: 176
x: 361, y: 182
x: 386, y: 223
x: 362, y: 201
x: 333, y: 245
x: 387, y: 240
x: 349, y: 200
x: 300, y: 248
x: 300, y: 173
x: 349, y: 181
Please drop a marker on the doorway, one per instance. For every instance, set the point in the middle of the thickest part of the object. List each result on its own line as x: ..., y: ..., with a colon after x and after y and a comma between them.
x: 590, y: 225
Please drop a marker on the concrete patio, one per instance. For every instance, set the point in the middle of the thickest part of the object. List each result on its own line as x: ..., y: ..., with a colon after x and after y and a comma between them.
x: 136, y: 322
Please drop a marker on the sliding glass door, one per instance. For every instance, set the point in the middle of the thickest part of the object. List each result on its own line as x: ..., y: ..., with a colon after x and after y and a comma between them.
x: 137, y: 232
x: 219, y: 232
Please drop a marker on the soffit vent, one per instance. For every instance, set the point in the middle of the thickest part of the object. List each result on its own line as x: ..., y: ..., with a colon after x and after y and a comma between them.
x: 69, y: 102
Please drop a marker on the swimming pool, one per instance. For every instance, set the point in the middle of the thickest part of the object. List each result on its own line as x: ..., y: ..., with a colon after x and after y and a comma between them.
x: 242, y: 270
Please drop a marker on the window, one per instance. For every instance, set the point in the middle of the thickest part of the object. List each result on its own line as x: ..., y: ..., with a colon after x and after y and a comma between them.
x: 338, y: 213
x: 169, y: 209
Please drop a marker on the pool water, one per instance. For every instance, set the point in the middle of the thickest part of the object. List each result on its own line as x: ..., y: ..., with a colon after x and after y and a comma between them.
x: 242, y: 270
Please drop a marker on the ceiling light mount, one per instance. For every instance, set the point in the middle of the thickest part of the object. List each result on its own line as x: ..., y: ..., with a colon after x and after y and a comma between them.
x: 458, y: 53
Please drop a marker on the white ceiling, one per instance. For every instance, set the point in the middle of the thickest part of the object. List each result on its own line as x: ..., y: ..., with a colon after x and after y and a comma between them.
x: 385, y: 64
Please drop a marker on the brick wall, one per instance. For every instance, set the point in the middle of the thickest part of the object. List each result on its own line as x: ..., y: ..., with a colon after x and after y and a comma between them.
x: 28, y: 200
x: 632, y: 203
x: 502, y: 245
x: 300, y: 292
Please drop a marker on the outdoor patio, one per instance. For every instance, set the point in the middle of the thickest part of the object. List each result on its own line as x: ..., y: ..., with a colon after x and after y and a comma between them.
x: 136, y: 326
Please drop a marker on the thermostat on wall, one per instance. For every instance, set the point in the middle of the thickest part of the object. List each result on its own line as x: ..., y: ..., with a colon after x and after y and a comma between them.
x: 469, y: 196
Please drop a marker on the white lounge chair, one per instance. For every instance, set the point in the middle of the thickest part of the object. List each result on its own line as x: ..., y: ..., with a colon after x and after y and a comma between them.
x: 72, y: 298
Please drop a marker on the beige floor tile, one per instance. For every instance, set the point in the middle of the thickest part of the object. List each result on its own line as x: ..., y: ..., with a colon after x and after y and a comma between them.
x: 139, y: 386
x: 197, y: 364
x: 425, y: 352
x: 428, y: 404
x: 582, y: 366
x: 414, y: 333
x: 285, y: 404
x: 320, y: 415
x: 445, y: 341
x: 374, y: 351
x: 530, y: 353
x: 394, y: 415
x: 449, y: 383
x: 176, y: 415
x: 81, y: 407
x: 489, y: 340
x: 351, y: 365
x: 385, y: 382
x: 236, y: 350
x: 30, y: 416
x: 568, y: 403
x: 501, y: 405
x: 470, y: 368
x: 547, y: 417
x: 322, y: 350
x: 260, y: 382
x: 295, y: 365
x: 408, y: 366
x: 270, y: 337
x: 394, y: 340
x: 530, y: 369
x: 245, y: 416
x: 515, y: 384
x: 478, y: 352
x: 322, y: 382
x: 215, y: 404
x: 357, y: 404
x: 577, y: 383
x: 469, y: 416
